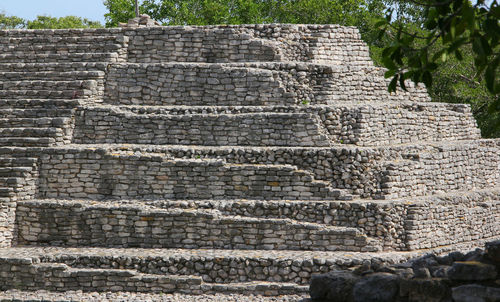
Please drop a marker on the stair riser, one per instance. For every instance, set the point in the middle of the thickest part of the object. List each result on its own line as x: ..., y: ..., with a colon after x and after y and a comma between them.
x: 29, y: 141
x: 50, y: 76
x: 52, y: 68
x: 55, y: 58
x: 126, y: 176
x: 30, y: 132
x: 333, y: 165
x: 253, y: 84
x: 49, y: 94
x: 208, y: 130
x: 34, y: 113
x: 115, y: 227
x: 48, y: 84
x: 59, y: 278
x: 34, y: 277
x: 247, y: 43
x: 427, y: 170
x: 42, y: 122
x: 35, y: 105
x: 60, y: 49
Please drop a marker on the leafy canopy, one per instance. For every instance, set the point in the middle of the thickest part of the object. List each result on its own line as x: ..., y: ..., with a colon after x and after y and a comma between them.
x: 11, y: 22
x: 415, y: 52
x: 207, y: 12
x: 47, y: 22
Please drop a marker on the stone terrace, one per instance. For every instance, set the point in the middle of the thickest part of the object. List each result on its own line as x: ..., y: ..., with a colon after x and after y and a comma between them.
x: 224, y: 160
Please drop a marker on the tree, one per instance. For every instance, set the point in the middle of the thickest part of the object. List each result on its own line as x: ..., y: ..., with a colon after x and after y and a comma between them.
x: 119, y: 11
x: 47, y: 22
x: 206, y: 12
x: 11, y: 22
x: 453, y: 48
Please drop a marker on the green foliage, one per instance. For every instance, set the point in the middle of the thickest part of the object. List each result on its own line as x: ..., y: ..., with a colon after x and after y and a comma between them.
x: 119, y: 11
x: 47, y: 22
x: 415, y: 53
x: 11, y: 22
x: 206, y: 12
x: 453, y: 48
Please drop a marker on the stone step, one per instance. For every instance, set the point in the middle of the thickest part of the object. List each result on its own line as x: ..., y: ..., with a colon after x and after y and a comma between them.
x: 257, y: 288
x: 15, y: 171
x: 51, y: 75
x: 358, y: 123
x: 31, y: 132
x: 6, y: 192
x: 55, y: 33
x: 442, y: 167
x: 17, y: 161
x: 64, y: 278
x: 36, y: 113
x: 52, y: 57
x: 28, y: 141
x: 213, y: 266
x: 245, y: 129
x: 149, y: 227
x: 37, y: 104
x: 33, y: 92
x: 63, y: 85
x: 40, y: 122
x: 61, y: 49
x: 54, y: 67
x: 155, y: 176
x: 10, y: 182
x: 59, y: 40
x: 251, y: 84
x: 42, y: 295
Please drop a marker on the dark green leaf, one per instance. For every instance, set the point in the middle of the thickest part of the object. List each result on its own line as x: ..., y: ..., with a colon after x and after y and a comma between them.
x: 388, y: 63
x: 486, y: 46
x: 393, y: 84
x: 389, y: 73
x: 427, y: 79
x: 380, y: 23
x: 402, y: 83
x: 491, y: 73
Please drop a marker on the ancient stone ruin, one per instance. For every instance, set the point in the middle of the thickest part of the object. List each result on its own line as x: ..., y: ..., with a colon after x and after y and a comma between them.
x: 224, y: 159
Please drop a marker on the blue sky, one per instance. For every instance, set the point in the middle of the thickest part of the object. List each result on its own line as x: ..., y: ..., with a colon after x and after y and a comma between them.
x: 29, y: 9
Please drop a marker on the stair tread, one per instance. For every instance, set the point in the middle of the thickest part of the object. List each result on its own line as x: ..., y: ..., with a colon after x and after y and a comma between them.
x: 54, y: 253
x: 209, y: 212
x: 43, y: 295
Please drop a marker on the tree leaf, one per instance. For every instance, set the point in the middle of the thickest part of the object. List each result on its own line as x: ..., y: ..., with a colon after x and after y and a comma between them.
x: 393, y: 84
x: 402, y: 83
x: 427, y: 79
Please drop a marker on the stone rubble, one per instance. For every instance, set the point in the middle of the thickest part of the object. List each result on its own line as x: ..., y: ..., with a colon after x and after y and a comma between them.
x: 454, y: 277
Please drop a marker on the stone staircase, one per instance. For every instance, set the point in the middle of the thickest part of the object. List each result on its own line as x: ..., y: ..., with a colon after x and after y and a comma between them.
x: 224, y: 160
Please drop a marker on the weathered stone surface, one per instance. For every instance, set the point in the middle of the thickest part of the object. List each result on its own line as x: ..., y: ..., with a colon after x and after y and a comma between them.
x: 493, y: 250
x: 431, y: 290
x: 376, y: 287
x: 475, y: 293
x: 263, y: 138
x: 333, y: 286
x: 472, y: 270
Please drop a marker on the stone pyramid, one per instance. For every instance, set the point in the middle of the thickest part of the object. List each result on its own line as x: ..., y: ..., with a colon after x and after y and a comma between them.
x: 224, y: 159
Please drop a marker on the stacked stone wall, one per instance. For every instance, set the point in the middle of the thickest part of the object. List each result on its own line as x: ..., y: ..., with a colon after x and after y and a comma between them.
x: 249, y: 84
x: 425, y: 170
x: 247, y: 43
x: 72, y: 224
x: 89, y: 174
x: 66, y: 45
x: 305, y: 125
x: 251, y: 129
